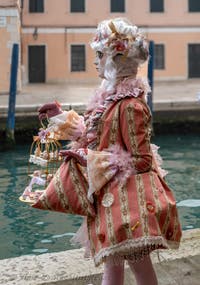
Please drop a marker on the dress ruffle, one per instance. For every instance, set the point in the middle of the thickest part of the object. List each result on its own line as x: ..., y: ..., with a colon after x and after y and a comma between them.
x: 139, y: 248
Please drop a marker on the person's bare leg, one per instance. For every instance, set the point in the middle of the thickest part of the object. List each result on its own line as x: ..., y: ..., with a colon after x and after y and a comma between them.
x: 144, y: 271
x: 113, y: 274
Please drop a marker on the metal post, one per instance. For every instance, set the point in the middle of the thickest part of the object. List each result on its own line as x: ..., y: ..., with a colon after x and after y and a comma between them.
x: 150, y: 74
x: 10, y: 138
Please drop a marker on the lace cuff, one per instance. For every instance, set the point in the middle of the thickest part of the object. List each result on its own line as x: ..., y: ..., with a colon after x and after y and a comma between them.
x: 102, y: 166
x: 99, y: 170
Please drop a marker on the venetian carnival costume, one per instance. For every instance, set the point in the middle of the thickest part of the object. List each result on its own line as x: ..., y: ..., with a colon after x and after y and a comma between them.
x: 112, y: 167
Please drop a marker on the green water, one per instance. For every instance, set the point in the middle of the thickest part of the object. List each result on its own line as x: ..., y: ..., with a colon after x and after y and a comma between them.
x: 24, y: 230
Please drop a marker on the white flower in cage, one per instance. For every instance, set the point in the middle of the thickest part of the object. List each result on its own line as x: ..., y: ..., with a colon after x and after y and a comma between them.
x: 43, y: 162
x: 52, y: 155
x: 43, y: 140
x: 31, y: 159
x: 45, y: 154
x: 38, y: 160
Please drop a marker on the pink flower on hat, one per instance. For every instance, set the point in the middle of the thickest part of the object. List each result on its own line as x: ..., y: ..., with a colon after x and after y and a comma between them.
x: 120, y: 46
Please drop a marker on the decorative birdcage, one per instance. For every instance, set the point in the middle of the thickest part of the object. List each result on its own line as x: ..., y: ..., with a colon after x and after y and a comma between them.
x: 44, y: 160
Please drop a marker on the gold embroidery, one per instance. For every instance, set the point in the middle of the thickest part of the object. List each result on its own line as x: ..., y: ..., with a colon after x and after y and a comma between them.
x: 146, y: 129
x: 176, y: 226
x: 167, y: 219
x: 129, y: 111
x: 109, y: 222
x: 45, y: 203
x: 141, y: 202
x: 60, y: 191
x: 123, y: 197
x: 97, y: 227
x: 156, y: 199
x: 114, y: 126
x: 77, y: 184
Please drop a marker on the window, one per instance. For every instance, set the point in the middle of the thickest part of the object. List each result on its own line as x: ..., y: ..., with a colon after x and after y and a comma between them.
x: 157, y: 6
x: 194, y: 6
x: 77, y: 6
x: 36, y: 6
x: 194, y: 60
x: 77, y: 58
x: 159, y: 56
x: 117, y: 6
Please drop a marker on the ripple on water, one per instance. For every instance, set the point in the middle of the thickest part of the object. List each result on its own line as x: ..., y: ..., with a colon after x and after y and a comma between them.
x: 189, y: 203
x: 40, y: 250
x: 189, y: 227
x: 39, y: 223
x: 46, y: 241
x: 63, y: 235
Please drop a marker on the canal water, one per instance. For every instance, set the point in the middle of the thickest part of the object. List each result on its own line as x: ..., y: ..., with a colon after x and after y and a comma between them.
x: 24, y: 230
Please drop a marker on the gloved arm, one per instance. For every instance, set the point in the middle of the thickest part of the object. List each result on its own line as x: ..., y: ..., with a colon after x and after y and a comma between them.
x: 49, y: 110
x: 67, y: 125
x: 80, y: 155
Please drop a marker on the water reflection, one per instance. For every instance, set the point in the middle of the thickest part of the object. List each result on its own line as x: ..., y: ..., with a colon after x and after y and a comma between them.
x: 181, y: 155
x: 25, y: 230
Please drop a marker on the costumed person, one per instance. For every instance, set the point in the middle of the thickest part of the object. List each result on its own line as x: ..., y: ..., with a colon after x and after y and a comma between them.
x: 112, y: 165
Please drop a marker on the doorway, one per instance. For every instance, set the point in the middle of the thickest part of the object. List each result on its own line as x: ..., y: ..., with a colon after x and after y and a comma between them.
x: 36, y: 64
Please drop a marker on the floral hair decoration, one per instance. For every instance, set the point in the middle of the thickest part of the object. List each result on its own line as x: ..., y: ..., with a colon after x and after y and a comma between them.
x: 119, y: 43
x: 119, y: 37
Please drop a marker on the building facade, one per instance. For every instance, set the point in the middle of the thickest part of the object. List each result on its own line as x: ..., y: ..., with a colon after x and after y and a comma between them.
x: 9, y: 34
x: 56, y: 34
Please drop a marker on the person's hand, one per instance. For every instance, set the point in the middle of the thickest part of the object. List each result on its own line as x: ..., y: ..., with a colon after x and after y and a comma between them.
x: 80, y: 155
x: 49, y: 110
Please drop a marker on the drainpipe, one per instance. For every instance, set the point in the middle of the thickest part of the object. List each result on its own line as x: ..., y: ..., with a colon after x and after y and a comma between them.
x: 10, y: 127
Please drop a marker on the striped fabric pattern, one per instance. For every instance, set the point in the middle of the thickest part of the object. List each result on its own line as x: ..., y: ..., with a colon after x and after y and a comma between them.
x: 143, y: 216
x: 67, y: 192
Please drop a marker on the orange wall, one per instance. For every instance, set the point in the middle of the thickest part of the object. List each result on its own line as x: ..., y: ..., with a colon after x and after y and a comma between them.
x: 96, y: 10
x: 58, y: 54
x: 176, y: 53
x: 9, y: 34
x: 176, y: 19
x: 58, y: 63
x: 5, y: 54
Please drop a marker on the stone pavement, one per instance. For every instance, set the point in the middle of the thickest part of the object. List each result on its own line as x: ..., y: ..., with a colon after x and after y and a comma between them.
x: 173, y: 267
x: 167, y: 95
